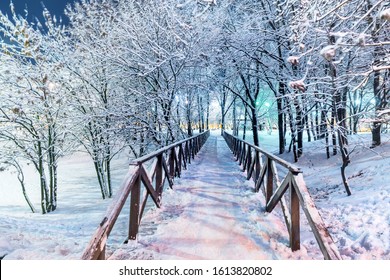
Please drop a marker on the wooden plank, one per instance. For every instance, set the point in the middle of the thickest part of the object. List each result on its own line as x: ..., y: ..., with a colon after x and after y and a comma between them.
x: 286, y: 213
x: 177, y: 164
x: 257, y: 166
x: 182, y: 157
x: 270, y: 181
x: 295, y: 241
x: 102, y: 255
x: 278, y: 193
x: 250, y: 170
x: 172, y: 163
x: 135, y: 209
x: 152, y: 169
x: 243, y: 153
x: 98, y: 240
x: 165, y: 167
x: 180, y: 160
x: 238, y: 150
x: 143, y: 205
x: 188, y: 151
x: 261, y: 177
x: 248, y: 159
x: 324, y: 240
x: 159, y: 174
x: 149, y: 187
x: 192, y: 148
x: 283, y: 204
x: 196, y: 144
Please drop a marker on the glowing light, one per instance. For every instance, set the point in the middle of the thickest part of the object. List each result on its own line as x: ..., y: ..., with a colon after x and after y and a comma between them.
x: 51, y: 86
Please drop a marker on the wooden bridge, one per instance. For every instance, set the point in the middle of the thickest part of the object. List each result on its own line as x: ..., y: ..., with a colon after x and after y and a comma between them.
x: 158, y: 170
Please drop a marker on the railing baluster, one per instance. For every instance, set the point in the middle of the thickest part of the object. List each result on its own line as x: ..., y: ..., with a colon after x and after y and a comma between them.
x: 192, y: 148
x: 182, y: 157
x: 134, y: 209
x: 248, y: 160
x: 258, y: 166
x: 242, y: 154
x: 102, y: 255
x: 295, y: 242
x: 159, y: 174
x: 172, y: 163
x: 188, y: 152
x: 270, y: 181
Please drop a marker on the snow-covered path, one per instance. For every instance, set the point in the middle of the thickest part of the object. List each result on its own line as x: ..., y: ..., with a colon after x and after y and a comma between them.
x: 212, y: 213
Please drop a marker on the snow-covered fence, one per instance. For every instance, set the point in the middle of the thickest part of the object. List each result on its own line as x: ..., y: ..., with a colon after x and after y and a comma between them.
x: 167, y: 163
x: 261, y: 166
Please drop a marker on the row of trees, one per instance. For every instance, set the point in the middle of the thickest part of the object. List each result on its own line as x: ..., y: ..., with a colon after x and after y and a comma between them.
x: 118, y: 76
x: 137, y: 75
x: 326, y: 63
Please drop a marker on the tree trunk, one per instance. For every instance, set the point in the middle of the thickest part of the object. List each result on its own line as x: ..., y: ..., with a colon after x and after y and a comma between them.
x: 376, y: 125
x: 245, y: 121
x: 254, y: 127
x: 235, y: 126
x: 22, y: 184
x: 208, y: 111
x: 293, y: 131
x: 299, y: 124
x: 281, y: 126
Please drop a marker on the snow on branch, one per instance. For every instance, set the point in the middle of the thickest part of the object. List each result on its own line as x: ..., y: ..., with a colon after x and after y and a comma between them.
x: 385, y: 14
x: 294, y: 60
x: 329, y: 52
x: 298, y: 85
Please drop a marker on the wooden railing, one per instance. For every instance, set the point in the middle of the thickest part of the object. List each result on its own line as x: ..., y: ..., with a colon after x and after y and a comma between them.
x: 261, y: 166
x: 167, y: 163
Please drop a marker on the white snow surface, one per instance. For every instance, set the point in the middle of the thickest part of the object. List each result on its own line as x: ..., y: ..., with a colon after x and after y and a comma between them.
x: 212, y: 212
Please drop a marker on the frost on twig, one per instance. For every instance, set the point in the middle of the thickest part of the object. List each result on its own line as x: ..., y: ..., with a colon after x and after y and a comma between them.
x: 385, y: 15
x: 329, y: 52
x: 294, y: 60
x: 298, y: 85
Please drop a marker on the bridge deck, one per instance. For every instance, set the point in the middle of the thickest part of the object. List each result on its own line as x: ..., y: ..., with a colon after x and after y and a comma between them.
x: 212, y: 213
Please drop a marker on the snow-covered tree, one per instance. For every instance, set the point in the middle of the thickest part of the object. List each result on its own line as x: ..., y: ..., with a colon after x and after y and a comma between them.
x: 31, y: 104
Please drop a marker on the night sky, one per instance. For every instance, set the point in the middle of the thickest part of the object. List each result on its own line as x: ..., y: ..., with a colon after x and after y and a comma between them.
x: 35, y: 7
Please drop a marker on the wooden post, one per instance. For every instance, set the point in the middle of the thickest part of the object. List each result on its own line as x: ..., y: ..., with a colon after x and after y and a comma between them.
x: 172, y: 163
x: 134, y: 209
x: 237, y: 153
x: 181, y: 160
x: 188, y: 152
x: 159, y: 175
x: 258, y: 166
x: 192, y: 144
x: 102, y: 255
x: 242, y: 154
x: 248, y: 160
x: 270, y: 180
x: 295, y: 242
x: 184, y: 158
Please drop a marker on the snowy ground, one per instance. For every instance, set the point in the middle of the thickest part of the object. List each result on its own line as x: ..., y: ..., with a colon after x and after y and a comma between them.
x: 360, y: 224
x: 64, y: 233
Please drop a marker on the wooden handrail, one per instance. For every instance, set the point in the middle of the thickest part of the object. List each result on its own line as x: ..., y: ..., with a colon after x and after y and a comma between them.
x: 169, y: 162
x: 261, y: 166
